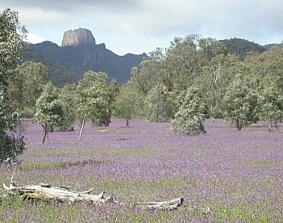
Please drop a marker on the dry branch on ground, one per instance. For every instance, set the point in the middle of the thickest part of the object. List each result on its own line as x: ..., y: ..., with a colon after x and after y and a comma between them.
x: 46, y: 192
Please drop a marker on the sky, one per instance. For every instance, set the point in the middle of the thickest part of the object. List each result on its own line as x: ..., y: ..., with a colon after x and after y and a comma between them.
x: 138, y: 26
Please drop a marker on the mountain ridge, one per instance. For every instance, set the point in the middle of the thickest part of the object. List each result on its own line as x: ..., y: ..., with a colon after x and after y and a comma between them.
x: 78, y: 54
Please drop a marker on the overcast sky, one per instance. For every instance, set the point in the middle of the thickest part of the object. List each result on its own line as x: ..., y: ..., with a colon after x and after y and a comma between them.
x: 138, y: 26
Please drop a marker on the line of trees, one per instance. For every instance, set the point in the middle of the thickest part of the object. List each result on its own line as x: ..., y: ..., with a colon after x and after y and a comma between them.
x: 242, y: 91
x: 91, y: 99
x: 194, y: 79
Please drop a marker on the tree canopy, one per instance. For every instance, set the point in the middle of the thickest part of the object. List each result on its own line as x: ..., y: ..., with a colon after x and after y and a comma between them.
x: 94, y: 99
x: 48, y: 109
x: 27, y: 84
x: 11, y: 45
x: 240, y: 101
x: 189, y: 119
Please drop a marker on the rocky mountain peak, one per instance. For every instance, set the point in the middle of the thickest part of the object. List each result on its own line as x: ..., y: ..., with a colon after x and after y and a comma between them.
x: 77, y: 37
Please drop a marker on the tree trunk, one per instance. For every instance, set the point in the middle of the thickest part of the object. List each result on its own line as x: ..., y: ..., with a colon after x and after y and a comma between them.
x: 157, y: 114
x: 269, y: 127
x: 239, y: 126
x: 127, y: 122
x: 45, y: 134
x: 276, y: 125
x: 51, y: 128
x: 46, y: 192
x: 82, y: 128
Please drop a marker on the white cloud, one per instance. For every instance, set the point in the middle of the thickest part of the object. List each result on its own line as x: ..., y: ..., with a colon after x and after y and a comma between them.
x: 137, y: 25
x: 42, y: 18
x: 33, y: 38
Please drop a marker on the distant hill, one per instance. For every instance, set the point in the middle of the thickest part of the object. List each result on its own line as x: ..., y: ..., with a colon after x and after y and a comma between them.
x: 242, y: 47
x: 80, y: 53
x: 272, y: 45
x: 57, y: 73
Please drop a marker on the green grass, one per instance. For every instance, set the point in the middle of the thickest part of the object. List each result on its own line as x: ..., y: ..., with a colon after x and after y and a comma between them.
x: 56, y: 165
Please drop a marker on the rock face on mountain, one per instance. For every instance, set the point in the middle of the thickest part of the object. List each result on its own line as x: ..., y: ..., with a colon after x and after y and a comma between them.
x: 79, y: 53
x: 77, y: 37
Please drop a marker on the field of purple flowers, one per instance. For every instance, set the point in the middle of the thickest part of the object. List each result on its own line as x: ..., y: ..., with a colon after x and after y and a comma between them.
x: 224, y: 176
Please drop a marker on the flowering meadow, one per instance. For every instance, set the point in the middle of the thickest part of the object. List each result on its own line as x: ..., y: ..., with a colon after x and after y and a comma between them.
x: 224, y: 175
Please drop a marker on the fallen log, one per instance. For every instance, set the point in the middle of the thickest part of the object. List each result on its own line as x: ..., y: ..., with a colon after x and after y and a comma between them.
x: 45, y: 192
x: 164, y: 205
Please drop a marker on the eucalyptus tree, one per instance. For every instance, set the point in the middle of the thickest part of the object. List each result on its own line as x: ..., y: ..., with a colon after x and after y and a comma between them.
x: 148, y: 73
x: 49, y: 111
x: 241, y: 100
x: 11, y: 45
x: 126, y: 104
x: 27, y: 84
x: 68, y: 100
x: 189, y: 119
x: 159, y: 104
x: 271, y: 102
x: 94, y: 100
x: 214, y: 81
x: 186, y: 57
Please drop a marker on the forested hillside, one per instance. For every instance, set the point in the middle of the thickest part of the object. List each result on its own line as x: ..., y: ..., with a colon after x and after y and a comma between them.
x: 57, y: 73
x: 242, y: 47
